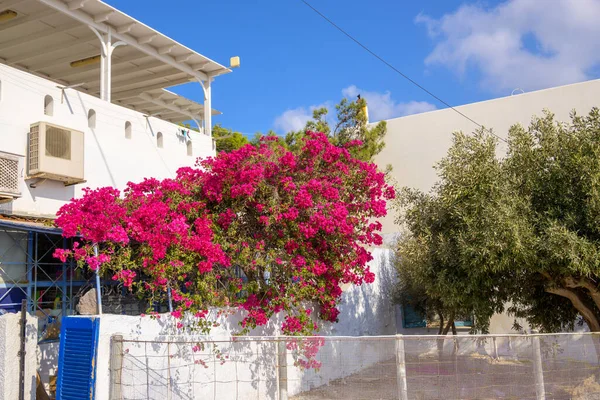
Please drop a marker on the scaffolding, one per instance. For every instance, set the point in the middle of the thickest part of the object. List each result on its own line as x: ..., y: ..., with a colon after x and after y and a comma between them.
x: 28, y: 271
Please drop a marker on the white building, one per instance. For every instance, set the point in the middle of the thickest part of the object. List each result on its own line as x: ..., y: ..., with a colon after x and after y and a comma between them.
x: 415, y: 143
x: 83, y: 104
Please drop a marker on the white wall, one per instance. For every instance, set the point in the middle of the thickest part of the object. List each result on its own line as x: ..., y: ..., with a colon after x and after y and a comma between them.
x: 10, y: 346
x: 110, y: 158
x: 413, y: 144
x: 365, y: 310
x: 47, y: 362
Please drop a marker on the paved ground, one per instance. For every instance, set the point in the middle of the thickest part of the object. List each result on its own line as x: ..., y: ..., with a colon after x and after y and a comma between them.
x: 464, y: 378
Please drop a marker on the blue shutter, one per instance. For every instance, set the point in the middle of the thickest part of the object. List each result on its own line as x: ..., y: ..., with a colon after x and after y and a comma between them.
x: 411, y: 318
x: 467, y: 322
x: 77, y: 358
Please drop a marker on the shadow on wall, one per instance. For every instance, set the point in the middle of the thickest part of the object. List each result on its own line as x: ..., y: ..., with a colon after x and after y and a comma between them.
x: 158, y: 358
x: 91, y: 116
x: 50, y: 190
x: 368, y: 309
x: 189, y: 366
x: 47, y: 357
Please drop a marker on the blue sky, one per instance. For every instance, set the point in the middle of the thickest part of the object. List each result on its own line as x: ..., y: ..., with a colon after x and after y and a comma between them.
x: 292, y: 60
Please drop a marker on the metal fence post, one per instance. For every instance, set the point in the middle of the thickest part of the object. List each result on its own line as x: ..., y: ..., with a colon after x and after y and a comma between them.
x: 116, y: 366
x: 401, y: 368
x: 282, y: 369
x: 537, y: 368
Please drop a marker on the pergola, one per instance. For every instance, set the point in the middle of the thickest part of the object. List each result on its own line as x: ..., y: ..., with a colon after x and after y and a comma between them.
x: 90, y: 46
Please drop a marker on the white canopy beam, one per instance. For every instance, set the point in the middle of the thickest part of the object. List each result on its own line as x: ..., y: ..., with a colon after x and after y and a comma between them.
x: 27, y: 18
x: 85, y: 18
x: 103, y: 17
x: 47, y: 50
x: 126, y: 28
x: 9, y: 3
x: 171, y: 107
x: 166, y: 49
x: 145, y: 78
x: 147, y: 39
x: 83, y: 70
x: 23, y: 40
x: 123, y: 72
x: 135, y: 92
x: 199, y: 66
x: 183, y: 57
x: 76, y: 4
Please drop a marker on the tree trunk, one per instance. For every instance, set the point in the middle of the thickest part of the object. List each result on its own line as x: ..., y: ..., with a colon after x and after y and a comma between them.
x: 586, y: 284
x: 589, y: 316
x: 449, y: 324
x: 441, y: 317
x: 579, y: 303
x: 453, y: 328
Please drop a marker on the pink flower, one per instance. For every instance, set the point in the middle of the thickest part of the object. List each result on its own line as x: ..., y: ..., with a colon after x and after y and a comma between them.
x: 308, y: 216
x: 125, y: 276
x: 291, y: 325
x: 303, y: 199
x: 61, y: 254
x: 204, y: 266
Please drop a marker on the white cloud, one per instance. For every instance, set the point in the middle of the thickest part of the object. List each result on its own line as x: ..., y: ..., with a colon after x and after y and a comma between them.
x: 292, y: 120
x: 382, y: 106
x: 296, y: 118
x: 497, y: 41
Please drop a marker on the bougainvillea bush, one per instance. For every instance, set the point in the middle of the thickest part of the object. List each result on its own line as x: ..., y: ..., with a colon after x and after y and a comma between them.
x: 260, y: 229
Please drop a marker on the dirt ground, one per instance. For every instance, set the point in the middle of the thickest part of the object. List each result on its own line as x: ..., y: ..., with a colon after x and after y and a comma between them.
x: 464, y: 378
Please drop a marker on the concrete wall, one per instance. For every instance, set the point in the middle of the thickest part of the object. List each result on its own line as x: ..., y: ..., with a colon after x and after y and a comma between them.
x: 365, y: 310
x: 47, y: 362
x: 110, y: 159
x: 10, y: 345
x: 414, y: 144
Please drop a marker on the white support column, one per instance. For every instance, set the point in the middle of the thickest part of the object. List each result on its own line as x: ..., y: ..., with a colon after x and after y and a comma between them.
x: 538, y: 368
x: 282, y: 371
x: 401, y: 368
x: 207, y: 106
x: 107, y: 48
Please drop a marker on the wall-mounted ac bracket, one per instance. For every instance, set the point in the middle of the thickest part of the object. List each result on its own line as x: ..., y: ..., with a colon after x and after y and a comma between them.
x: 37, y: 181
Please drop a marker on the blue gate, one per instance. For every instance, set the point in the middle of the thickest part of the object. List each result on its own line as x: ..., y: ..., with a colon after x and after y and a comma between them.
x: 77, y: 358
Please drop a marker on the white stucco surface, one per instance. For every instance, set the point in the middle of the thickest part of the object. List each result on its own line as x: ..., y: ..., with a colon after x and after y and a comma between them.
x: 365, y: 310
x: 110, y: 159
x: 10, y: 346
x: 47, y: 362
x: 415, y: 143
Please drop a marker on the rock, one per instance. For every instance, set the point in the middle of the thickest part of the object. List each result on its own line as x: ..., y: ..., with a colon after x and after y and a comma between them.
x: 87, y: 303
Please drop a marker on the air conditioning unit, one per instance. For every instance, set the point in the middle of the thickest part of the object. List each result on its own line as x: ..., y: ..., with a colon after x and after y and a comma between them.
x: 10, y: 171
x: 55, y: 153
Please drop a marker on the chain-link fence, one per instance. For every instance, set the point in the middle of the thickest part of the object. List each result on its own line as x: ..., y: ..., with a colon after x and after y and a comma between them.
x: 560, y: 366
